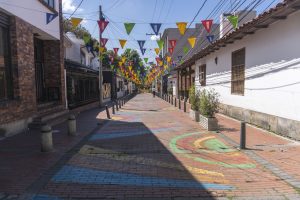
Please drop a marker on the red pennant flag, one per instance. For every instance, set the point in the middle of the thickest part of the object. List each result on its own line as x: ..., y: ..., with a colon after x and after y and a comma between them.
x: 172, y: 43
x: 103, y: 42
x: 102, y: 25
x: 116, y: 50
x: 171, y: 50
x: 157, y: 59
x: 207, y: 24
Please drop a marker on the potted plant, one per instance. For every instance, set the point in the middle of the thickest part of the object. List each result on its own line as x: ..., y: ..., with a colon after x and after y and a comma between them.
x: 194, y: 101
x: 208, y: 106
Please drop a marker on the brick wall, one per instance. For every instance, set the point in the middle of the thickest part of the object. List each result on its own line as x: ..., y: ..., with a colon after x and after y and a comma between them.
x: 22, y: 53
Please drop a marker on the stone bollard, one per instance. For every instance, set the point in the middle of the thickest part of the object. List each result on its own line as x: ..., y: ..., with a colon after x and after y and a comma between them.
x: 172, y: 99
x: 46, y: 139
x: 107, y: 112
x: 179, y: 103
x: 113, y: 108
x: 72, y: 125
x: 175, y: 103
x: 243, y: 136
x: 119, y: 102
x: 184, y: 105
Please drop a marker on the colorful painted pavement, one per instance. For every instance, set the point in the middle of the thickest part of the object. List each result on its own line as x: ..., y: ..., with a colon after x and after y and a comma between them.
x: 151, y: 151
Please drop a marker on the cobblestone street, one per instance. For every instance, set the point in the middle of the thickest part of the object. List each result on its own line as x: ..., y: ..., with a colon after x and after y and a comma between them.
x: 150, y: 150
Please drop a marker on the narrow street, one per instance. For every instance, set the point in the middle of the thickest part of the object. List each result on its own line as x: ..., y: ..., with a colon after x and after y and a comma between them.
x: 151, y: 150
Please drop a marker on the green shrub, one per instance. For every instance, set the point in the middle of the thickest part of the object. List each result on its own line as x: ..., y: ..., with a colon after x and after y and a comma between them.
x: 194, y: 98
x: 209, y: 102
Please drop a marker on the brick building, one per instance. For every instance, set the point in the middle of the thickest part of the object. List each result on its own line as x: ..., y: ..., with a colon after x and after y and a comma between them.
x: 31, y: 63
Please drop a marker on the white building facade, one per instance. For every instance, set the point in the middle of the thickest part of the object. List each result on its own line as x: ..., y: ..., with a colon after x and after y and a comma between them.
x: 257, y: 75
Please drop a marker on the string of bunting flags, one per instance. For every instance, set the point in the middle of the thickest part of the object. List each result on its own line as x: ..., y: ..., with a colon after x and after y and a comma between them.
x: 158, y: 68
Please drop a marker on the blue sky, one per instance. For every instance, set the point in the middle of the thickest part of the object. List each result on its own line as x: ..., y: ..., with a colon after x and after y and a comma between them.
x: 143, y: 12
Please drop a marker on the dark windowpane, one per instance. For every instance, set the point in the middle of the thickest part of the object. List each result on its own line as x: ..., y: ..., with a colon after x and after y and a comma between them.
x: 5, y: 82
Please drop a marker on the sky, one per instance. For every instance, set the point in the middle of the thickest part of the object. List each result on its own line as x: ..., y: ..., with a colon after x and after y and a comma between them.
x: 143, y: 12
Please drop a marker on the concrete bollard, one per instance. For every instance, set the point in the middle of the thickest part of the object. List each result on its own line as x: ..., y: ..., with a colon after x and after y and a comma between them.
x: 46, y: 139
x: 117, y: 106
x: 184, y: 105
x: 243, y: 135
x: 172, y: 100
x: 113, y: 109
x: 175, y: 103
x: 72, y: 125
x: 119, y: 102
x: 107, y: 112
x: 179, y: 103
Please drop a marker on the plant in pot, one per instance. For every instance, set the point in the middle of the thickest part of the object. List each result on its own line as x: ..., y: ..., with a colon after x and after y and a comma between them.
x: 194, y: 101
x: 208, y: 106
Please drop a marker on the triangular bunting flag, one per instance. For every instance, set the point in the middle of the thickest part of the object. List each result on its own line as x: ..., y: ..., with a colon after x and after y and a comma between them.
x: 120, y: 64
x: 146, y: 60
x: 168, y: 59
x: 50, y: 17
x: 172, y: 43
x: 157, y: 59
x: 103, y: 42
x: 157, y: 50
x: 234, y: 20
x: 181, y: 27
x: 116, y: 50
x: 143, y: 51
x: 129, y: 27
x: 160, y: 43
x: 75, y: 21
x: 122, y: 43
x: 185, y: 50
x: 192, y: 41
x: 171, y: 50
x: 155, y: 27
x: 102, y: 25
x: 86, y: 39
x: 179, y: 58
x: 123, y: 59
x: 102, y: 49
x: 210, y: 38
x: 207, y: 24
x: 141, y: 43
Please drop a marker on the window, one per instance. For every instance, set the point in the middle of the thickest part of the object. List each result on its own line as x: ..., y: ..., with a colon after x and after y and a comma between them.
x: 202, y: 75
x: 238, y: 72
x: 5, y: 70
x: 50, y: 3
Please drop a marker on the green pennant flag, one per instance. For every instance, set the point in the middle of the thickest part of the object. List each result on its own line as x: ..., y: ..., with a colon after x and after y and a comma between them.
x: 86, y: 39
x: 160, y: 43
x: 234, y: 20
x: 129, y: 27
x: 141, y: 63
x: 146, y: 60
x: 112, y: 66
x: 185, y: 50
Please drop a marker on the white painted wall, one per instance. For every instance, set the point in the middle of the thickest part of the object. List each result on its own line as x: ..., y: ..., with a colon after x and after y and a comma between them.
x: 73, y: 52
x: 34, y: 12
x: 272, y: 83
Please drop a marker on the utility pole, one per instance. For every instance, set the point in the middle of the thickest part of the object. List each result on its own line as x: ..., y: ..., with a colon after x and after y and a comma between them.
x: 100, y: 63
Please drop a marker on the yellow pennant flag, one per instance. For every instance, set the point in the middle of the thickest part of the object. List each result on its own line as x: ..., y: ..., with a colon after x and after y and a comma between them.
x: 181, y: 27
x: 75, y: 21
x: 160, y: 63
x: 157, y: 50
x: 192, y: 41
x: 122, y: 43
x: 130, y: 67
x: 120, y: 64
x: 168, y: 59
x: 102, y: 49
x: 123, y: 59
x: 166, y: 67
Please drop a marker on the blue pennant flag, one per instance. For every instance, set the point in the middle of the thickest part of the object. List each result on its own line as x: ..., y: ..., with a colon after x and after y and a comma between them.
x: 141, y: 43
x: 155, y: 27
x: 50, y: 17
x: 143, y: 51
x: 210, y: 38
